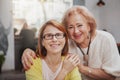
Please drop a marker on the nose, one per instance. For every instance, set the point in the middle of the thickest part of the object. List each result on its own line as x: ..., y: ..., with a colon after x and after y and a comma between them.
x: 76, y: 30
x: 54, y: 38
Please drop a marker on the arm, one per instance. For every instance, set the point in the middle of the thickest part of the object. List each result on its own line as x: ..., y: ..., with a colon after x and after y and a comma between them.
x: 109, y: 62
x: 27, y: 56
x: 95, y: 73
x: 69, y: 63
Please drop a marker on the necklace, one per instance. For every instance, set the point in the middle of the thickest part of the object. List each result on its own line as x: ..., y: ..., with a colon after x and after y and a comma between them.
x: 85, y: 56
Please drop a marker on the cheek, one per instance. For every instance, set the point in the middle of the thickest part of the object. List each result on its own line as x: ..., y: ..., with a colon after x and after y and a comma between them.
x: 45, y: 44
x: 70, y: 33
x: 42, y: 43
x: 88, y: 28
x: 63, y: 42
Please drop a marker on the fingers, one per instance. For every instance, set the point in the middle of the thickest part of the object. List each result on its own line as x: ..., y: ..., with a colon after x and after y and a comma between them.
x: 74, y: 59
x: 33, y: 54
x: 70, y: 62
x: 27, y: 56
x: 26, y: 65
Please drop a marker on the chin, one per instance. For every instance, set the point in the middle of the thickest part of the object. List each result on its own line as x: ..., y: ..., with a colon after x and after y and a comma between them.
x: 78, y: 41
x: 57, y: 51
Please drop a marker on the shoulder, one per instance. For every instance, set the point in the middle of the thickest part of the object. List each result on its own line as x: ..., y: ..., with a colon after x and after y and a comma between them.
x: 35, y: 71
x: 36, y: 67
x: 37, y: 61
x: 104, y: 35
x: 37, y: 64
x: 74, y: 74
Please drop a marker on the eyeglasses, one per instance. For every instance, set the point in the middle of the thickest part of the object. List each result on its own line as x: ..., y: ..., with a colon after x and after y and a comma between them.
x: 50, y: 36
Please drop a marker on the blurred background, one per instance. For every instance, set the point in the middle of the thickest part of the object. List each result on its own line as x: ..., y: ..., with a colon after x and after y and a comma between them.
x: 20, y: 21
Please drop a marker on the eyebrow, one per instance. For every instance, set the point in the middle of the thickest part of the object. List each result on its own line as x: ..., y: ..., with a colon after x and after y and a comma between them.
x: 53, y: 33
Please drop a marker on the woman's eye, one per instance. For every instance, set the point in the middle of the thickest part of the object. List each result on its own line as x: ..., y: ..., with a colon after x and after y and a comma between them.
x: 80, y: 25
x: 58, y: 34
x: 49, y: 35
x: 70, y: 27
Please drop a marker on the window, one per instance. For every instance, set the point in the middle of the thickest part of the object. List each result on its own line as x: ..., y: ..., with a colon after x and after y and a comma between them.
x: 36, y: 12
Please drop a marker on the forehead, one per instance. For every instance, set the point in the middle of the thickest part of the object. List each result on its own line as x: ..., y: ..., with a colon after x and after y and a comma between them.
x: 51, y: 29
x: 76, y: 18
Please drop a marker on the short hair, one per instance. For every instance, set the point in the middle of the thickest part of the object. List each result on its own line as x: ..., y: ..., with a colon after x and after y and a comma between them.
x: 85, y: 13
x: 41, y: 51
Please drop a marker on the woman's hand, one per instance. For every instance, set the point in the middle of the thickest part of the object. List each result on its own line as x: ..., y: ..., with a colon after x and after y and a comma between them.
x: 27, y: 56
x: 70, y: 62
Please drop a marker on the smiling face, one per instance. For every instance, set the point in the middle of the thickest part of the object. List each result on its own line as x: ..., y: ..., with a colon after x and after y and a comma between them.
x: 52, y: 38
x: 78, y: 28
x: 53, y: 45
x: 80, y: 24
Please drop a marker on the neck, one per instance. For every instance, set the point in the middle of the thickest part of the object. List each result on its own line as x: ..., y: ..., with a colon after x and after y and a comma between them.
x: 53, y: 59
x: 84, y: 44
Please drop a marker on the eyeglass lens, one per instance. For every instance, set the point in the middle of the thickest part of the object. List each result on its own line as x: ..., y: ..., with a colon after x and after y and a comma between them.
x: 50, y: 36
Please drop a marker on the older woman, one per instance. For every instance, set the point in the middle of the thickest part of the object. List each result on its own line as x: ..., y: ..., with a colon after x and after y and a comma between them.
x: 97, y: 49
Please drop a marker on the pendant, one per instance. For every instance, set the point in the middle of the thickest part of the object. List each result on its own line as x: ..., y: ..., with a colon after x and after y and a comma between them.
x: 85, y: 58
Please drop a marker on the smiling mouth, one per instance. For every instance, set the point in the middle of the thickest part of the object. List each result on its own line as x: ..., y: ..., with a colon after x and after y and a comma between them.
x: 77, y: 36
x: 54, y: 45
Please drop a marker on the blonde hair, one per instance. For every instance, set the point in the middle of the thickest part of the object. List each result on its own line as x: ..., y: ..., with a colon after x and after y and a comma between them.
x: 85, y: 13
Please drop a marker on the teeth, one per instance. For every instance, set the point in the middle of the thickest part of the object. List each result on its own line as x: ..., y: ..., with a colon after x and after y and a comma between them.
x: 77, y: 36
x: 54, y: 45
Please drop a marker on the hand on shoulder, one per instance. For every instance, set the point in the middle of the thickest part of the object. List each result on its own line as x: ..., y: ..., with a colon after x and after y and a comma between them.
x: 27, y: 56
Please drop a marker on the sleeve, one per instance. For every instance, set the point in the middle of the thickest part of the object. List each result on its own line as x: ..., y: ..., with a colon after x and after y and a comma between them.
x: 74, y: 75
x: 35, y: 72
x: 111, y: 57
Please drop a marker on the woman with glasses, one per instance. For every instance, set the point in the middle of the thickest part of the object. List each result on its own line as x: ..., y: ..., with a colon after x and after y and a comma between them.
x: 53, y: 61
x: 99, y: 56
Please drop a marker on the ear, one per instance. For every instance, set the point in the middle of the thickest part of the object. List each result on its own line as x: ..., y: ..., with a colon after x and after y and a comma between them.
x: 88, y: 27
x: 88, y: 36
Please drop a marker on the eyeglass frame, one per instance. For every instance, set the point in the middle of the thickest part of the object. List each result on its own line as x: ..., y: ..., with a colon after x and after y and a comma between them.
x: 50, y: 36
